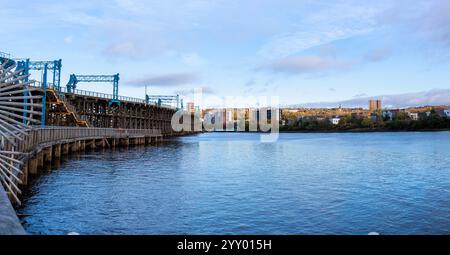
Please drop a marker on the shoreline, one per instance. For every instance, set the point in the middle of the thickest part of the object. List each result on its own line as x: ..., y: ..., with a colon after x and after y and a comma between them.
x: 338, y: 131
x: 366, y: 131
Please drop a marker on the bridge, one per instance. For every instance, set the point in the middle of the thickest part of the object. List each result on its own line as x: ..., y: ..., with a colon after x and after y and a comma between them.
x: 40, y: 122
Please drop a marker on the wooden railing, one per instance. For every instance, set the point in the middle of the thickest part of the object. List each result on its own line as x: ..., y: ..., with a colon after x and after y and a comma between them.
x: 53, y: 134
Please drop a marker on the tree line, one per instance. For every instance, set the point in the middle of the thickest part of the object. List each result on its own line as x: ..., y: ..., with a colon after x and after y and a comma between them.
x: 400, y: 122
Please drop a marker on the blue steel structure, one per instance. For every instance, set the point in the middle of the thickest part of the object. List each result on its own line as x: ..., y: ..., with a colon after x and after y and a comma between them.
x: 54, y: 66
x: 45, y: 66
x: 159, y: 100
x: 114, y: 79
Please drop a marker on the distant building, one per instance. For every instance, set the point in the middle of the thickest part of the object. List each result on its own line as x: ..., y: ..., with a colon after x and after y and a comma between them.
x: 389, y: 114
x: 191, y: 107
x: 229, y: 115
x: 254, y: 114
x: 447, y: 113
x: 374, y: 105
x: 441, y: 112
x: 413, y: 115
x: 335, y: 121
x: 374, y: 117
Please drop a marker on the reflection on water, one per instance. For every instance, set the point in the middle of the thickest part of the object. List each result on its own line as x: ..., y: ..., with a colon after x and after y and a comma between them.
x: 226, y: 183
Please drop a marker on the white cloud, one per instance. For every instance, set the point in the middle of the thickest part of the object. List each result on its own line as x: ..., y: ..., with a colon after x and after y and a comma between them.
x: 341, y: 20
x: 165, y: 80
x: 68, y: 39
x: 193, y: 59
x: 377, y: 55
x: 307, y: 64
x: 424, y: 98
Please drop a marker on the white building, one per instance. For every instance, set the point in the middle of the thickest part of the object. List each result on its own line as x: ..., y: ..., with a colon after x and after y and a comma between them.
x: 229, y: 115
x: 335, y: 121
x: 413, y: 115
x: 447, y: 113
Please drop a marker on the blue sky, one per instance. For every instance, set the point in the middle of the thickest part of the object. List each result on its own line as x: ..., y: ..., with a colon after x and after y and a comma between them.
x: 302, y: 51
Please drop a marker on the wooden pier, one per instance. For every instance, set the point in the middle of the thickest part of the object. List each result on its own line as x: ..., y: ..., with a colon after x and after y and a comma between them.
x: 34, y: 152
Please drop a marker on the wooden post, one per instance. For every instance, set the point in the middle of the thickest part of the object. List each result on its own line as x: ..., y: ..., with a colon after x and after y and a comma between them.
x: 74, y: 147
x: 48, y: 155
x: 24, y: 177
x: 57, y: 151
x: 100, y: 143
x: 40, y: 160
x: 124, y: 142
x: 82, y: 145
x: 113, y: 142
x: 65, y: 149
x: 91, y: 144
x: 32, y: 166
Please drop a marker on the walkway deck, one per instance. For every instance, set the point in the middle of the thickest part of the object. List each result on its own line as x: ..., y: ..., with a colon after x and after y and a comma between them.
x: 28, y: 154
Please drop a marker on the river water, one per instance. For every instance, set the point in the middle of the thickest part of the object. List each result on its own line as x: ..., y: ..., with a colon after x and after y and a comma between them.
x: 231, y: 183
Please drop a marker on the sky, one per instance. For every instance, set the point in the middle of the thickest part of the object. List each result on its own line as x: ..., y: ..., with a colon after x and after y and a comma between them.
x: 303, y: 52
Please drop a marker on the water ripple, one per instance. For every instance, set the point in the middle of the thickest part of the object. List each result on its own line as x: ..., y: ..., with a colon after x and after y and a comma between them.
x: 391, y: 183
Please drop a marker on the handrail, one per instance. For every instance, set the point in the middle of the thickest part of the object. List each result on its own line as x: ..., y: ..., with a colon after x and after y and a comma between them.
x: 51, y: 134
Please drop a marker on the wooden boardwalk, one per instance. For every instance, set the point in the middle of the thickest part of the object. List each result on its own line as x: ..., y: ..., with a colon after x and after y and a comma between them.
x: 27, y: 155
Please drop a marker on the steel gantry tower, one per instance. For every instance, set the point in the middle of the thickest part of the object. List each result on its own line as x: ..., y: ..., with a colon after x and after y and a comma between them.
x: 53, y: 66
x: 114, y: 79
x: 160, y: 99
x: 25, y: 66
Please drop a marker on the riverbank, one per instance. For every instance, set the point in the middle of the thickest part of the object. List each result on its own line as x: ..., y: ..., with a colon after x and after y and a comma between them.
x: 339, y: 131
x: 363, y: 131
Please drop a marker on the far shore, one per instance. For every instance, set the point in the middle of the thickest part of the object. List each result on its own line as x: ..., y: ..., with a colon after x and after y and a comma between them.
x: 338, y: 131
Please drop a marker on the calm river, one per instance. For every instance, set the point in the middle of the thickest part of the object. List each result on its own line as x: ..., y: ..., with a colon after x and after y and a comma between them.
x: 230, y: 183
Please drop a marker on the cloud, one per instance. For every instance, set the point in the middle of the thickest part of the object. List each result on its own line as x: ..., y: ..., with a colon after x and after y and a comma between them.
x: 205, y: 90
x: 250, y: 83
x: 290, y: 44
x: 361, y: 95
x: 307, y: 64
x: 166, y: 80
x: 377, y: 55
x: 125, y: 48
x: 435, y: 21
x: 426, y: 20
x: 68, y: 39
x: 423, y: 98
x: 328, y: 22
x: 193, y: 59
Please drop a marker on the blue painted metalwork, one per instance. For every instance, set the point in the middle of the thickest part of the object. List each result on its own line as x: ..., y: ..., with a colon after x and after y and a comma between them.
x: 114, y: 79
x: 44, y: 95
x: 55, y: 66
x: 160, y: 99
x: 25, y: 66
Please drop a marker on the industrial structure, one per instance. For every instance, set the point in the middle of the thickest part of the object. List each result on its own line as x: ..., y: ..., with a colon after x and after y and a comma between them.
x: 41, y: 120
x: 70, y: 106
